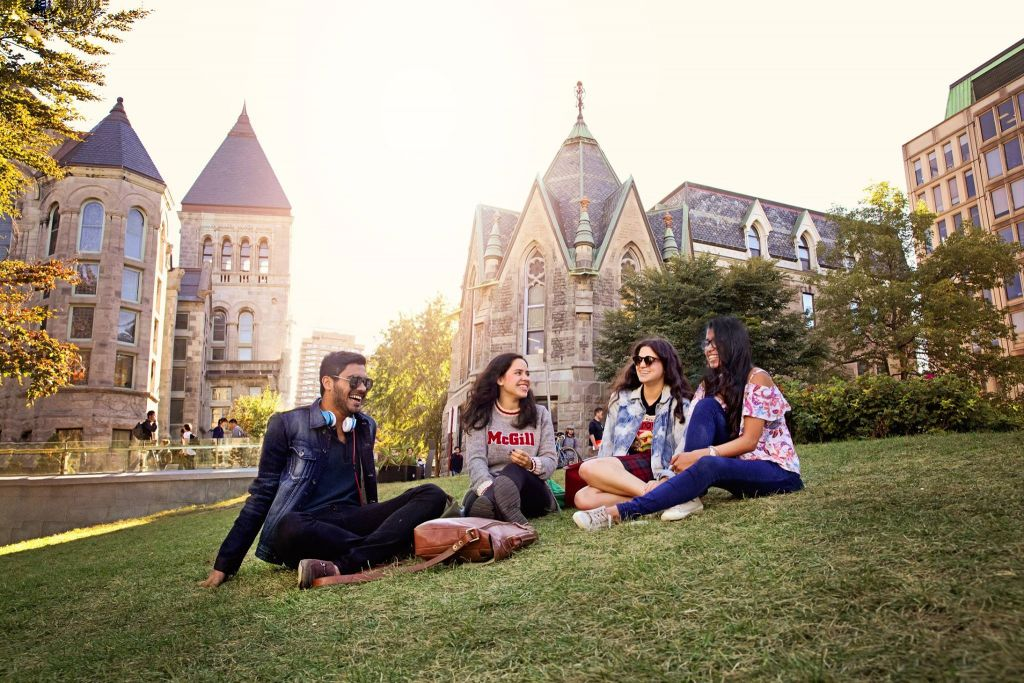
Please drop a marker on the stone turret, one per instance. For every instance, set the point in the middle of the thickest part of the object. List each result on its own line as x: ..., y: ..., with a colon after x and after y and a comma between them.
x: 492, y: 253
x: 668, y: 244
x: 584, y: 241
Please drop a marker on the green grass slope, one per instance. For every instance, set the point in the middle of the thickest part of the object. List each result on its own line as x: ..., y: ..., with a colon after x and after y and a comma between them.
x: 902, y: 560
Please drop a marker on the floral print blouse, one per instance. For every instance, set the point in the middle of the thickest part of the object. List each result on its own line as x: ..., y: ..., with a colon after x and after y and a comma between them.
x: 768, y: 404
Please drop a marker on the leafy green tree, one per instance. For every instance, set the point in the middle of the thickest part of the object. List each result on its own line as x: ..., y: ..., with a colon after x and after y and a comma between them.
x: 253, y: 412
x: 677, y: 302
x: 869, y: 311
x: 49, y: 60
x: 28, y: 353
x: 411, y: 369
x: 884, y: 311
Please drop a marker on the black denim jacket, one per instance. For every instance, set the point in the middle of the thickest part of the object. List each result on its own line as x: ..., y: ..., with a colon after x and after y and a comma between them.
x: 294, y: 451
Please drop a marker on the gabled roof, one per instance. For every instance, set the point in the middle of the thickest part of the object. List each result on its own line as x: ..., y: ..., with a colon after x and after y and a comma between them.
x: 718, y: 217
x: 112, y: 143
x: 238, y: 176
x: 580, y: 169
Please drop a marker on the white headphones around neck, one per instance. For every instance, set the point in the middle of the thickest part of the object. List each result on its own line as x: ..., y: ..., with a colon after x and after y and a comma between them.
x: 347, y: 425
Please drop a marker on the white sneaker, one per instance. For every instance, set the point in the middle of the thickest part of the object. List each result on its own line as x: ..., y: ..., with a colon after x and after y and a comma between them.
x: 592, y: 520
x: 678, y: 512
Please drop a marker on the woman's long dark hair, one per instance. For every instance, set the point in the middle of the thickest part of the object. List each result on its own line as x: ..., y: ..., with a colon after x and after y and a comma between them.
x: 729, y: 379
x: 484, y: 395
x: 675, y: 380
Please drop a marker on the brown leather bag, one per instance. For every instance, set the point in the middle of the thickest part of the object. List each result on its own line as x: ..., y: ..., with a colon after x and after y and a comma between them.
x: 471, y: 539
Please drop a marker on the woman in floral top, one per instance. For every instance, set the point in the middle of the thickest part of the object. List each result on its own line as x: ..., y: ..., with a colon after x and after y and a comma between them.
x: 736, y: 437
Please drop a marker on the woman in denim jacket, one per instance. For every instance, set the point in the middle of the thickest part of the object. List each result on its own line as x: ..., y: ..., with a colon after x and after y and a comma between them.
x: 646, y: 420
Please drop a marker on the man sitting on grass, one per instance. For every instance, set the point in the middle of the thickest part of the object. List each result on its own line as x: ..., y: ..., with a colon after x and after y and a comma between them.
x: 315, y: 494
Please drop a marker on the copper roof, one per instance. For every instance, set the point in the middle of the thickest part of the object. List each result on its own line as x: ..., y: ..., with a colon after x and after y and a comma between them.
x: 238, y: 176
x: 113, y: 143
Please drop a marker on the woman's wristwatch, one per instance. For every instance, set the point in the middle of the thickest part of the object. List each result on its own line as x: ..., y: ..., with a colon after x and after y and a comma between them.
x: 712, y: 451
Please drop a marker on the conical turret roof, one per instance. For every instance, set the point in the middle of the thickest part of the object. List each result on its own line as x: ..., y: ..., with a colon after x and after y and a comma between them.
x: 580, y: 169
x: 114, y: 143
x: 238, y: 176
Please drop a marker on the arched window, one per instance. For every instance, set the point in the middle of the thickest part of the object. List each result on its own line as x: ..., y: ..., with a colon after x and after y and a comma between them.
x: 134, y: 235
x: 804, y: 253
x: 208, y: 250
x: 245, y: 325
x: 245, y: 255
x: 225, y: 254
x: 753, y: 241
x: 54, y: 223
x: 264, y: 257
x: 534, y: 296
x: 90, y: 233
x: 630, y: 264
x: 6, y: 236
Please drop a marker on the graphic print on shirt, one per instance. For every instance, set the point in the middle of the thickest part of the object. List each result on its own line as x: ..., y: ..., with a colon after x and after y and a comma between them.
x: 644, y: 436
x: 511, y: 438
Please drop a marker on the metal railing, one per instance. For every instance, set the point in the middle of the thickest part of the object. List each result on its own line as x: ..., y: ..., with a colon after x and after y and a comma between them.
x: 84, y: 457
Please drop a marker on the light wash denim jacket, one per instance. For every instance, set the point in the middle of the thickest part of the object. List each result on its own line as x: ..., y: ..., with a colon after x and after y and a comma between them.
x: 626, y: 412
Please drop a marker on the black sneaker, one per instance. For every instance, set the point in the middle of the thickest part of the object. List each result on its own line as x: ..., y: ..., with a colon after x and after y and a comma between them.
x: 507, y: 500
x: 311, y: 570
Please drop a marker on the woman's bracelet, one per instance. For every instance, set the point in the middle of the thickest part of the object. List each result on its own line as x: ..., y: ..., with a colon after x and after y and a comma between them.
x: 712, y: 451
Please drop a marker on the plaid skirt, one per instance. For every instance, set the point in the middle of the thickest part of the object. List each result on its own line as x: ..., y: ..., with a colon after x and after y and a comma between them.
x: 638, y: 464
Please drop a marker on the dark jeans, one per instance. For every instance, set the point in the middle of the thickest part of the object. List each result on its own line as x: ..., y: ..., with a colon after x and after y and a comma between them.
x: 355, y: 537
x: 535, y: 498
x: 739, y: 477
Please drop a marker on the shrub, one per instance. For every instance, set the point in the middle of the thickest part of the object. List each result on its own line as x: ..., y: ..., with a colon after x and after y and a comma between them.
x: 875, y: 406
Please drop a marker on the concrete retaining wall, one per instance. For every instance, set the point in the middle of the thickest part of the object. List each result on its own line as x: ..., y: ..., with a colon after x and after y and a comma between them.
x: 31, y: 507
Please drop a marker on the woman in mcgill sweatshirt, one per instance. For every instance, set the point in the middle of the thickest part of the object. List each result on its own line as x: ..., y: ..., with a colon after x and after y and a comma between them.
x: 510, y: 445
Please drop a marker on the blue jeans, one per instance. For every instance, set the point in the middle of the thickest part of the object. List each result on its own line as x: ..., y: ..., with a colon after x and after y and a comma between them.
x: 739, y: 477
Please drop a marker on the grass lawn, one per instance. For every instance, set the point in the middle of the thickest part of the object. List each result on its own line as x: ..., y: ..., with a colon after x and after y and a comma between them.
x: 901, y: 560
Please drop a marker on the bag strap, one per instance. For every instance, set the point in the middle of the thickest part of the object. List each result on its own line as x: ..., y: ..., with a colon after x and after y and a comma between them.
x: 470, y: 536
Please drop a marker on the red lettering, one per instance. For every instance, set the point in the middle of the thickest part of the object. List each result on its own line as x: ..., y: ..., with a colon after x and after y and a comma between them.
x: 529, y: 439
x: 513, y: 439
x: 504, y: 440
x: 493, y: 437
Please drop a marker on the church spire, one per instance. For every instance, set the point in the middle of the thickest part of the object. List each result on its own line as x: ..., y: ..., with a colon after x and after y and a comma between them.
x: 669, y: 248
x: 580, y: 130
x: 492, y: 255
x: 584, y: 241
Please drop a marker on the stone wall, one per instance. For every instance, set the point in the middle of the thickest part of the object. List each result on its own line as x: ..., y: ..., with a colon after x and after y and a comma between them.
x: 31, y: 507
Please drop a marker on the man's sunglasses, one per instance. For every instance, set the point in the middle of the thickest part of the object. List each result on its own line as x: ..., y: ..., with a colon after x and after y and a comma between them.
x: 355, y: 381
x: 645, y: 360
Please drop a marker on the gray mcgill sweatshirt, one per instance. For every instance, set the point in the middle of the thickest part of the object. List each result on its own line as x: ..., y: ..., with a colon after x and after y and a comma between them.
x: 488, y: 450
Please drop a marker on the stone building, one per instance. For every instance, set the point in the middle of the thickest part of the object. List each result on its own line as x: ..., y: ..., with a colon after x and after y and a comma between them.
x: 314, y: 348
x: 177, y: 321
x: 970, y: 167
x: 539, y: 281
x: 111, y: 214
x: 236, y: 222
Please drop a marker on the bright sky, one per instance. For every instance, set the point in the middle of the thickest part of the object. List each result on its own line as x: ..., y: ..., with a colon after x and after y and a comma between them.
x: 388, y: 122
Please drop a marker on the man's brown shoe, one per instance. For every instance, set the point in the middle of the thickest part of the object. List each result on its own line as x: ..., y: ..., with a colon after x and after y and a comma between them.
x: 311, y: 570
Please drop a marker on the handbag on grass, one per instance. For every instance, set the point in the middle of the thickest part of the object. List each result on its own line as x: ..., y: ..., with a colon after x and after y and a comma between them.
x: 470, y: 539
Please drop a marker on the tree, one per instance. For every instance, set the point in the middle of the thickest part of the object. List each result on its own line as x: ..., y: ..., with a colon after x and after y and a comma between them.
x: 884, y: 311
x: 28, y: 352
x: 48, y: 62
x: 253, y: 412
x: 677, y: 302
x: 411, y: 370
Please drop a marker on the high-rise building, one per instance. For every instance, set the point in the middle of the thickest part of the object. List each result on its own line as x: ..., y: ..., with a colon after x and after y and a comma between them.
x: 314, y: 348
x: 970, y: 167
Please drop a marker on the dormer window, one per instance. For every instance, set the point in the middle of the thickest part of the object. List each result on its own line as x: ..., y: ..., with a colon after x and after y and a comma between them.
x: 804, y: 253
x: 753, y: 241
